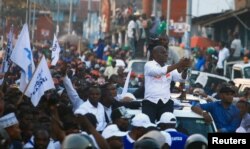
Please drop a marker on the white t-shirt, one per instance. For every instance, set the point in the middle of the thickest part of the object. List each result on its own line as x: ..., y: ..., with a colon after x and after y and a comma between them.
x: 131, y: 26
x: 236, y: 44
x: 98, y: 111
x: 223, y: 55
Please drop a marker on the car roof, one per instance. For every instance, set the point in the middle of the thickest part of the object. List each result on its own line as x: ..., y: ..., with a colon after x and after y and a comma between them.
x: 210, y: 75
x: 184, y: 106
x: 242, y: 65
x: 242, y: 83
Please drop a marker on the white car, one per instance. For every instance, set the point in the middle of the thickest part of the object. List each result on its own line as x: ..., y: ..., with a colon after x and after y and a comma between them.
x: 188, y: 122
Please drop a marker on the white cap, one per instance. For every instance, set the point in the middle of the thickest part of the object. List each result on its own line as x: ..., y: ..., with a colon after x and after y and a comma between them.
x: 198, y: 91
x: 8, y: 120
x: 142, y: 120
x: 137, y: 13
x: 167, y: 118
x: 120, y: 63
x: 157, y: 135
x: 194, y: 139
x: 129, y: 95
x: 168, y: 138
x: 112, y: 131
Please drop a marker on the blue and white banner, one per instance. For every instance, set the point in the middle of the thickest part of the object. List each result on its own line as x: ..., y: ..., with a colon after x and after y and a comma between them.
x: 40, y: 82
x: 55, y: 51
x: 6, y: 61
x: 23, y: 57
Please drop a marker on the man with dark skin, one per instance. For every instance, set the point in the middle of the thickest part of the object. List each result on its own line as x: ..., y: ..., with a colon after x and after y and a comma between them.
x: 92, y: 105
x: 226, y: 115
x: 41, y: 139
x: 158, y: 77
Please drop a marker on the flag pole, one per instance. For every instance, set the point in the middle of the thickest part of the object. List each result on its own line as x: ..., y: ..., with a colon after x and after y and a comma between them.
x: 23, y: 93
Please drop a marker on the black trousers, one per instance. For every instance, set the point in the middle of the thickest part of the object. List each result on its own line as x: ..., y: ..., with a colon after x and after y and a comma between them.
x: 154, y: 111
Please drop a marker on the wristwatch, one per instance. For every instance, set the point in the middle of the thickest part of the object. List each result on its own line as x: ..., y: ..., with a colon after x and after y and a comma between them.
x: 203, y: 112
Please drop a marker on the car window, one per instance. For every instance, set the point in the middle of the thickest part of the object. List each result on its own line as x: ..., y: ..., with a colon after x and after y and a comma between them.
x: 186, y: 126
x: 247, y: 72
x: 237, y: 74
x: 210, y: 80
x: 138, y: 67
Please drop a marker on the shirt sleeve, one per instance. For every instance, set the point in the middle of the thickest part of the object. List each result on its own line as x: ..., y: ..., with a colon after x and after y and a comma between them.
x: 207, y: 107
x: 177, y: 76
x: 73, y: 95
x: 233, y: 45
x: 152, y: 70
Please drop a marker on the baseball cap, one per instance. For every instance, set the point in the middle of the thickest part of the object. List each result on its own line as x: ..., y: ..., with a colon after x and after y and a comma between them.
x: 196, y: 141
x: 154, y: 134
x: 167, y: 118
x: 148, y: 143
x: 128, y: 95
x: 8, y: 120
x: 142, y: 120
x: 112, y: 131
x: 120, y: 112
x: 226, y: 89
x: 77, y: 141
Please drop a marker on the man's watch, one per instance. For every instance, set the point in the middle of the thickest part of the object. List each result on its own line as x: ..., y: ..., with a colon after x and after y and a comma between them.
x: 203, y: 112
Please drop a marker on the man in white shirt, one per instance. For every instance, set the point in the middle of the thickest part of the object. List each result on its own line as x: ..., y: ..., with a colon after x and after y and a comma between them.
x: 158, y: 77
x: 92, y: 105
x: 222, y: 56
x: 110, y: 70
x: 236, y: 47
x: 131, y: 33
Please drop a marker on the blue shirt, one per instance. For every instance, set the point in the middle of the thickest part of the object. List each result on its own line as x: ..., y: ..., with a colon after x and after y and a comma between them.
x: 128, y: 142
x: 200, y: 62
x: 227, y: 120
x: 178, y: 139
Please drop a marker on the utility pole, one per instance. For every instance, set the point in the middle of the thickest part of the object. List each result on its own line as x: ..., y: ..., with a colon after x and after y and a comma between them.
x: 57, y: 21
x: 70, y: 16
x: 89, y: 19
x: 27, y: 11
x: 1, y: 16
x: 189, y: 22
x: 154, y: 8
x: 168, y: 16
x: 100, y: 19
x: 29, y: 18
x: 33, y: 22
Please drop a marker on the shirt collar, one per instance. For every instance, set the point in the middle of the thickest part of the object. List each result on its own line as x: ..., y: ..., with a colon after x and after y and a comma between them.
x: 171, y: 129
x: 129, y: 138
x: 229, y: 108
x: 90, y: 105
x: 157, y: 64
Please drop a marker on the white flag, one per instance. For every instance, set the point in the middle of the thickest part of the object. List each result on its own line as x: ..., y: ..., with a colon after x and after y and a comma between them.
x: 23, y: 57
x: 40, y: 82
x: 55, y: 51
x: 8, y: 50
